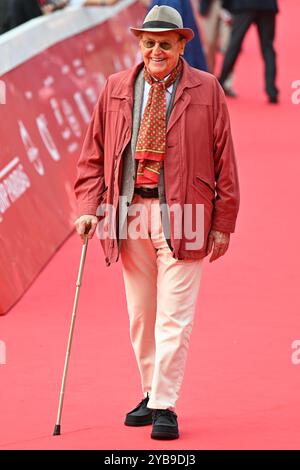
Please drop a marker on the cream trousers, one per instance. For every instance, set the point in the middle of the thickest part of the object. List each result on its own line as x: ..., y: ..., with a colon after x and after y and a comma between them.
x: 161, y: 295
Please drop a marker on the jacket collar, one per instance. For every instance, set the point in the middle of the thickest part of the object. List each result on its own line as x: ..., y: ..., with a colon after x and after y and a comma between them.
x: 189, y: 79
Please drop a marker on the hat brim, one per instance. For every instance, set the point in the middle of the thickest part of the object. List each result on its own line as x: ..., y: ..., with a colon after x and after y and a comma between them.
x: 187, y: 33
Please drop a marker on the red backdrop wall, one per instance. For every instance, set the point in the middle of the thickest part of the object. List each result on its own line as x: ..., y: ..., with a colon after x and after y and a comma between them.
x: 49, y: 101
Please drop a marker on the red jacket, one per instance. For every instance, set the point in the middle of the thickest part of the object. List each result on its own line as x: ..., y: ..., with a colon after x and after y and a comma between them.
x: 199, y: 165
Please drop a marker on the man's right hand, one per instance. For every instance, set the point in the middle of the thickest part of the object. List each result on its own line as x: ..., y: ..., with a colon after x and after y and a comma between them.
x: 86, y: 226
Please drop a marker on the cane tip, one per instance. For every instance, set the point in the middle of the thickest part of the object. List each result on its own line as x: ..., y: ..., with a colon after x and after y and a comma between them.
x: 56, y: 430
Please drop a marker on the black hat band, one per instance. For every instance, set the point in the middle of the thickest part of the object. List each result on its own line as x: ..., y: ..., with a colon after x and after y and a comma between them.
x: 160, y: 24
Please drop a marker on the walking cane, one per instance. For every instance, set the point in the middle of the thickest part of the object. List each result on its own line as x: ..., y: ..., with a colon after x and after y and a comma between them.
x: 62, y: 391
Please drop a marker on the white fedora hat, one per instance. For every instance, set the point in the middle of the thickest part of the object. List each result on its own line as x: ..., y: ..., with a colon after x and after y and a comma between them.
x: 164, y: 18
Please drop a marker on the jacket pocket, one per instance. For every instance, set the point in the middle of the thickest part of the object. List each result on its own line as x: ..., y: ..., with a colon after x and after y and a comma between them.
x: 123, y: 142
x: 204, y: 187
x: 200, y: 194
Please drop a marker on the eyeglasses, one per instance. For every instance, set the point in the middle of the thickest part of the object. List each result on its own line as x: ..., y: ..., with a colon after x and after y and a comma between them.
x: 164, y: 45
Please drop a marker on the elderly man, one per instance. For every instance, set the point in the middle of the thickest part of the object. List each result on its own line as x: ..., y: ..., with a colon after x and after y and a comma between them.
x: 160, y: 141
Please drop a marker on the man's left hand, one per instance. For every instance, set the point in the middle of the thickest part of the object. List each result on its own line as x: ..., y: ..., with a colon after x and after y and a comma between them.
x: 219, y: 241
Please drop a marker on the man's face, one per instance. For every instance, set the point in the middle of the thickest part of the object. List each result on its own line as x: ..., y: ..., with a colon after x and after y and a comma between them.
x: 161, y: 52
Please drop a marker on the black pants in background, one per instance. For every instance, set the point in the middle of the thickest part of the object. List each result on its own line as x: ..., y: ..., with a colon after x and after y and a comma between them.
x: 265, y: 23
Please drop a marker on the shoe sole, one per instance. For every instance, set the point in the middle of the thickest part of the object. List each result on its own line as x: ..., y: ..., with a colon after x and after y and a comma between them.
x: 133, y: 422
x: 164, y: 436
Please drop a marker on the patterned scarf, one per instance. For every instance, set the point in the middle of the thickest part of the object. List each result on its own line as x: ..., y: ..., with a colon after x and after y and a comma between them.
x: 151, y: 142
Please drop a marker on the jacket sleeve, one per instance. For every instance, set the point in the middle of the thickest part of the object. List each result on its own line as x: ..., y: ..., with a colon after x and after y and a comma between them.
x: 89, y: 186
x: 226, y: 177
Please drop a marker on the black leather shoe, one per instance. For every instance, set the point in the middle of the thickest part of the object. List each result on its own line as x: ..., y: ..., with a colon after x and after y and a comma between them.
x: 140, y: 415
x: 273, y: 99
x: 229, y: 92
x: 165, y: 425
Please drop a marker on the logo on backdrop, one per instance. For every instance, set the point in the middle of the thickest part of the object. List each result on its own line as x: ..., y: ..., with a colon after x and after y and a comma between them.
x: 14, y: 182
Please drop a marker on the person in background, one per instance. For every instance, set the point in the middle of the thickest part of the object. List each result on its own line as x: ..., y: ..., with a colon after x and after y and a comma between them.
x: 20, y: 11
x: 262, y: 14
x: 217, y: 26
x: 13, y: 13
x: 193, y: 52
x: 49, y: 6
x: 3, y: 16
x: 159, y: 140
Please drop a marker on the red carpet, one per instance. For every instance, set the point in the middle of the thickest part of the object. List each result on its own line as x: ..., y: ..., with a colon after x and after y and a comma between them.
x: 241, y: 389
